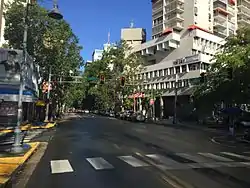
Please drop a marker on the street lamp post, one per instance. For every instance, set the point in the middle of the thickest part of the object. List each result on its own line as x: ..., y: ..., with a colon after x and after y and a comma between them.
x: 17, y: 146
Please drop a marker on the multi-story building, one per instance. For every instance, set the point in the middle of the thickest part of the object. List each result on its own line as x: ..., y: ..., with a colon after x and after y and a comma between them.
x: 243, y: 12
x: 133, y: 36
x: 185, y: 37
x: 97, y: 55
x: 10, y: 62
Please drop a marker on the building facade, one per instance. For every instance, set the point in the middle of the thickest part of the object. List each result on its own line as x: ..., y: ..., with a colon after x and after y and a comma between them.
x: 243, y: 12
x: 10, y: 62
x: 97, y: 55
x: 185, y: 37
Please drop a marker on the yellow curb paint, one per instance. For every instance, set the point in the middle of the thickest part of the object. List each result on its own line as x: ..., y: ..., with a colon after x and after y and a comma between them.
x: 8, y: 165
x: 20, y: 159
x: 4, y: 179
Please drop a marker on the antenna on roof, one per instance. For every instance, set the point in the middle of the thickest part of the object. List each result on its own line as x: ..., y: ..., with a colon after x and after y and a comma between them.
x: 109, y: 37
x: 132, y: 24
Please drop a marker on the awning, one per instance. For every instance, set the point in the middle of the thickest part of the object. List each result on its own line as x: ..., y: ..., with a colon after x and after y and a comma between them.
x: 167, y: 31
x: 193, y: 27
x: 10, y: 94
x: 180, y: 92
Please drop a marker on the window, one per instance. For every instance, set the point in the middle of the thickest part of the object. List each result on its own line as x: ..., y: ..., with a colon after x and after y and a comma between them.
x: 195, y: 11
x: 171, y: 70
x: 177, y: 70
x: 184, y: 68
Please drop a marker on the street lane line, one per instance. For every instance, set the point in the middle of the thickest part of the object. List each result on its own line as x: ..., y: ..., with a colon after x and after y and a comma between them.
x: 133, y: 161
x: 236, y: 155
x: 216, y: 157
x: 99, y: 163
x: 194, y: 157
x: 60, y: 166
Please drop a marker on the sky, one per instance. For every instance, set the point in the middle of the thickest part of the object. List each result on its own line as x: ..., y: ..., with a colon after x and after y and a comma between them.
x: 91, y: 20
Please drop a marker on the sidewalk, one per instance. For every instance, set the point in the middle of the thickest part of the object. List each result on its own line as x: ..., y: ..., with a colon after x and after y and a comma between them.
x: 9, y: 164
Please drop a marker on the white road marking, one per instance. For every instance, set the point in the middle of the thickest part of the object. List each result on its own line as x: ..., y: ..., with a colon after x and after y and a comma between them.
x: 236, y: 155
x: 166, y: 163
x: 60, y: 166
x: 133, y: 161
x: 163, y: 160
x: 216, y: 157
x: 194, y: 157
x: 99, y: 163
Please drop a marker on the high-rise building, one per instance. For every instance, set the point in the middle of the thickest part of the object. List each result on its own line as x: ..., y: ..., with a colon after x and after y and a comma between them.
x: 186, y: 34
x: 218, y: 16
x: 243, y: 12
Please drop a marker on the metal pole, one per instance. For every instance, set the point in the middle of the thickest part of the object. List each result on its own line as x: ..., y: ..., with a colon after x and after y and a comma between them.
x: 175, y: 100
x: 17, y: 146
x: 48, y: 96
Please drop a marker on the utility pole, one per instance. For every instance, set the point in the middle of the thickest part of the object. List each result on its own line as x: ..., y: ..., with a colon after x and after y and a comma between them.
x: 17, y: 147
x: 48, y: 96
x: 175, y: 99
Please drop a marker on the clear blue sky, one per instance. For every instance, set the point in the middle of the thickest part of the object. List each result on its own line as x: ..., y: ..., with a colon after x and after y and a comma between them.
x: 92, y: 19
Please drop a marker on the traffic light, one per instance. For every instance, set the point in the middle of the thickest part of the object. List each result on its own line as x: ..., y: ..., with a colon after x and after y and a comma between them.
x: 230, y: 73
x: 102, y: 79
x: 203, y: 77
x: 122, y: 81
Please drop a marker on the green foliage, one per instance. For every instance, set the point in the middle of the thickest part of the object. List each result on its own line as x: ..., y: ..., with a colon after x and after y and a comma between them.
x: 51, y: 42
x: 218, y: 87
x: 117, y: 61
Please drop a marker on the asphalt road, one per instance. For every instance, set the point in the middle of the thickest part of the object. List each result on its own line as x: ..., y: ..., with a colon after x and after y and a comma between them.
x: 100, y: 152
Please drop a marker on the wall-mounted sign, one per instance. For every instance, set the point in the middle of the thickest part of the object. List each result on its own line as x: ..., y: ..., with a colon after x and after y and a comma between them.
x: 187, y: 59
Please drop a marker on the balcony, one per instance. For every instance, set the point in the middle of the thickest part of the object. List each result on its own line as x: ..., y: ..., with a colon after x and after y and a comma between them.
x: 243, y: 21
x: 221, y: 1
x: 222, y: 25
x: 180, y: 2
x: 220, y: 33
x: 220, y: 17
x: 157, y: 9
x: 177, y: 9
x: 244, y: 13
x: 177, y: 17
x: 163, y: 43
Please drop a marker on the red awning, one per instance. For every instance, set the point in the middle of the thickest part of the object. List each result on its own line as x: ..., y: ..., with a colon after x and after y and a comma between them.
x: 193, y: 27
x: 167, y: 31
x: 232, y: 2
x: 222, y: 11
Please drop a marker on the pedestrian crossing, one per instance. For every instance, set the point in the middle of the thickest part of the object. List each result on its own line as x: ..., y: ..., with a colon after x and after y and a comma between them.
x: 165, y: 162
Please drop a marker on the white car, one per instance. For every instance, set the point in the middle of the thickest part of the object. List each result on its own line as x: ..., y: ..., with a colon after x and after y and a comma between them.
x: 86, y: 111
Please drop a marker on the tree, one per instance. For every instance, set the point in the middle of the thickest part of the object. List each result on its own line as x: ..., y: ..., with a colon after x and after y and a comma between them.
x: 117, y: 62
x: 50, y: 42
x: 228, y: 77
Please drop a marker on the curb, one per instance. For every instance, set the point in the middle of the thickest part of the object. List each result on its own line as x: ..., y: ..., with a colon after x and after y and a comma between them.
x: 10, y: 166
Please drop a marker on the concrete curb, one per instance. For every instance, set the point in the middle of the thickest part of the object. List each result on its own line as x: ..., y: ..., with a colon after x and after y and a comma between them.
x: 9, y: 166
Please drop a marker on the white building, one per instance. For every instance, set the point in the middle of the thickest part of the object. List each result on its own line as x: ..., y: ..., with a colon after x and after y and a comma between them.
x: 185, y: 37
x: 97, y: 55
x: 2, y: 20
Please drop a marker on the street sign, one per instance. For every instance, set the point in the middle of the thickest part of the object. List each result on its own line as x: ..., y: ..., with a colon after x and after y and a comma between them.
x: 92, y: 78
x: 151, y: 102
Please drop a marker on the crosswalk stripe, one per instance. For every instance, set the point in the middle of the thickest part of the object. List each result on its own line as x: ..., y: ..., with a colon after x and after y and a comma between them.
x: 194, y: 157
x: 167, y: 164
x: 60, y: 166
x: 99, y: 163
x: 236, y: 155
x: 216, y: 157
x: 162, y: 159
x: 133, y: 161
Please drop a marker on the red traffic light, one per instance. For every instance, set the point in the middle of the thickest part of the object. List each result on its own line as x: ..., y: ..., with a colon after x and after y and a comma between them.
x: 102, y: 79
x: 122, y: 81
